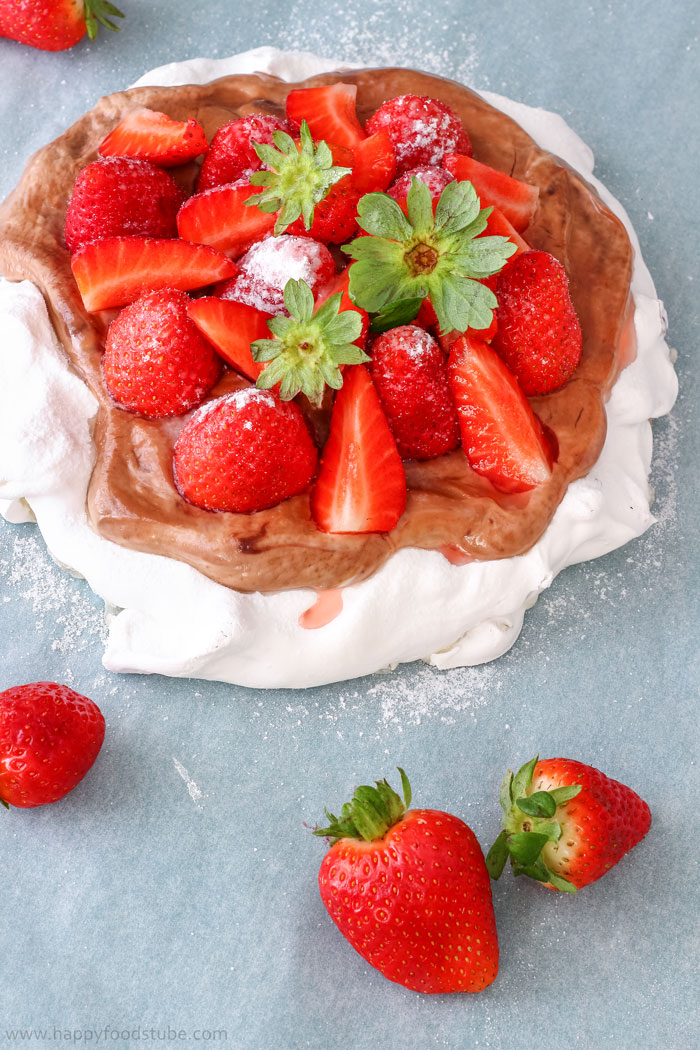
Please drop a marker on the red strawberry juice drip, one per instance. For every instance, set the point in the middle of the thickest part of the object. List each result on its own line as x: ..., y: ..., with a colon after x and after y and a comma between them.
x: 328, y: 605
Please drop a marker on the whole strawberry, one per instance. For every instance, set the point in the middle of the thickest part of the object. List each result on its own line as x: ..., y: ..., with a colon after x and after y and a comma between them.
x: 156, y: 361
x: 422, y: 130
x: 121, y: 196
x: 539, y: 335
x: 335, y: 217
x: 410, y: 373
x: 434, y: 178
x: 49, y: 737
x: 231, y: 154
x: 566, y: 823
x: 55, y: 25
x: 265, y: 269
x: 409, y: 889
x: 244, y: 452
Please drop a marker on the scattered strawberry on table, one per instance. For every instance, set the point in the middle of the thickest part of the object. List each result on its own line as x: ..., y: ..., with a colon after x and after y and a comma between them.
x: 409, y: 890
x: 565, y: 824
x: 433, y: 334
x: 55, y: 25
x: 49, y: 738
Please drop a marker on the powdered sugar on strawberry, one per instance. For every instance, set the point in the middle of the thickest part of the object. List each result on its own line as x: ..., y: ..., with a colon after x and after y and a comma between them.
x: 422, y: 130
x: 269, y: 264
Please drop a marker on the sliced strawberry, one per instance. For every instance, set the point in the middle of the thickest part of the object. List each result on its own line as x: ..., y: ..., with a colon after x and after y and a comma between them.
x: 498, y: 226
x: 117, y: 270
x: 515, y: 199
x: 220, y: 218
x: 329, y: 111
x: 374, y: 163
x: 231, y: 327
x: 341, y: 283
x: 361, y: 485
x: 502, y: 437
x: 150, y: 135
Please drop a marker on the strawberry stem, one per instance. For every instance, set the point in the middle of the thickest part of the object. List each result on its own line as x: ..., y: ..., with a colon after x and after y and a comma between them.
x: 97, y: 11
x: 528, y: 827
x: 370, y: 814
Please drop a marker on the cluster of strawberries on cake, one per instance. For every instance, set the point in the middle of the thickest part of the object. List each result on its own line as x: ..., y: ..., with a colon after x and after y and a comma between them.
x: 373, y: 287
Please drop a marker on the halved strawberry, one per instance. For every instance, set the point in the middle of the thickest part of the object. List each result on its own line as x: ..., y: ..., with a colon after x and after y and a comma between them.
x: 373, y: 163
x: 329, y: 111
x: 117, y: 270
x: 231, y: 327
x: 498, y: 226
x: 502, y: 437
x: 220, y: 218
x: 150, y: 135
x: 341, y: 283
x: 515, y: 199
x: 361, y: 485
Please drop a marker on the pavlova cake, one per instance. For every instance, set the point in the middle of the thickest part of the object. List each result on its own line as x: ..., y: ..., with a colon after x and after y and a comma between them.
x: 310, y: 373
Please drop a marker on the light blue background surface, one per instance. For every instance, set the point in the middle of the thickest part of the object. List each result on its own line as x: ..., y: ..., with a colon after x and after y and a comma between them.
x: 140, y: 902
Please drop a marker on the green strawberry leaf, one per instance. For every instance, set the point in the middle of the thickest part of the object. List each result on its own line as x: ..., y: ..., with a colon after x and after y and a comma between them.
x: 458, y: 208
x: 400, y: 312
x: 565, y: 794
x: 405, y: 787
x: 309, y: 346
x: 560, y: 883
x: 299, y: 300
x: 418, y: 254
x: 380, y: 215
x: 540, y: 804
x: 523, y: 778
x: 506, y: 794
x: 297, y: 179
x: 372, y: 812
x: 419, y: 206
x: 526, y: 846
x: 497, y: 856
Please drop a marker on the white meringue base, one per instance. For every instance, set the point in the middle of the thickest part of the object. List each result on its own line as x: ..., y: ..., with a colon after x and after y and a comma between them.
x: 167, y: 618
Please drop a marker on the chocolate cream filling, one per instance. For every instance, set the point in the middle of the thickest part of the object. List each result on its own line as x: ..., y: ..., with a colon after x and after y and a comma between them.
x: 132, y: 499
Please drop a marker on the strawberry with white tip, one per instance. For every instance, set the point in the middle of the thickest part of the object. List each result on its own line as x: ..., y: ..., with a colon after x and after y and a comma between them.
x: 565, y: 824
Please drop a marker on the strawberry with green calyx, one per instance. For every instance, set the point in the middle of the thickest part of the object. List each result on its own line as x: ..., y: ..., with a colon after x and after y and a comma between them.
x: 419, y: 255
x: 55, y: 25
x: 565, y: 824
x: 408, y: 888
x: 297, y: 179
x: 309, y: 345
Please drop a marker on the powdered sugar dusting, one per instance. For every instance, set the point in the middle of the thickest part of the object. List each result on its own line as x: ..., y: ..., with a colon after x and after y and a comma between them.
x: 434, y: 178
x: 413, y: 341
x: 269, y: 264
x: 422, y: 130
x: 430, y: 694
x: 384, y: 35
x: 62, y: 611
x: 238, y: 398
